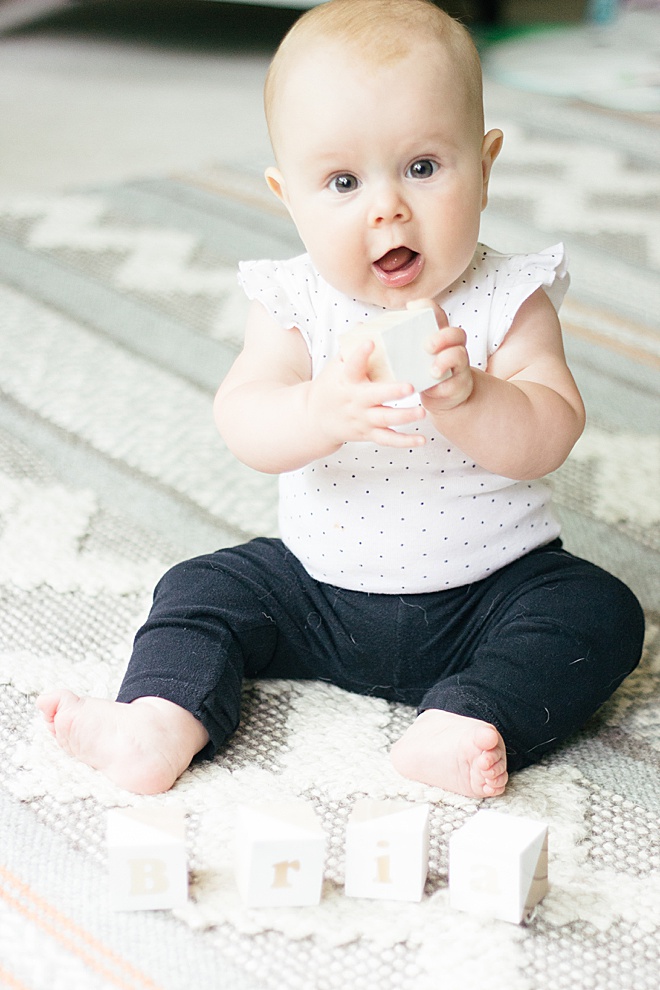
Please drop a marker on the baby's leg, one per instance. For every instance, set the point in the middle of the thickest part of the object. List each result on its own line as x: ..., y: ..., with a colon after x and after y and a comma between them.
x: 143, y: 746
x: 460, y: 754
x: 552, y: 637
x: 207, y: 629
x: 146, y: 739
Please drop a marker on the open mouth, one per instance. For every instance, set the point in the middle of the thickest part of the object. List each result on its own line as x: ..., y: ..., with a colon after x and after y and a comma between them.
x: 398, y: 267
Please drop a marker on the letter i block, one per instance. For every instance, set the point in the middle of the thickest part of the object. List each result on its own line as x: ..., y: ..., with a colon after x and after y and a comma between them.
x: 498, y: 866
x: 387, y: 850
x: 280, y: 855
x: 147, y: 858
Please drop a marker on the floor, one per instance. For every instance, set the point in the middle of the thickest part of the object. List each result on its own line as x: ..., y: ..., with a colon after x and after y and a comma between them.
x: 121, y: 90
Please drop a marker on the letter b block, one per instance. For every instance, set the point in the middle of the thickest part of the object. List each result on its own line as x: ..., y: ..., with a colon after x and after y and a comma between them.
x: 147, y: 858
x: 387, y: 850
x: 498, y: 866
x: 280, y: 855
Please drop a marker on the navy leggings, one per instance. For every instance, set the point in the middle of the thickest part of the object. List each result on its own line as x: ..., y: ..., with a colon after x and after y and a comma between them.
x: 534, y: 649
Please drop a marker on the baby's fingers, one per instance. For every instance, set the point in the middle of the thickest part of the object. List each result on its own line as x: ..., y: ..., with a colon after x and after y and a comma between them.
x: 356, y: 363
x: 452, y: 359
x: 358, y: 370
x: 379, y: 393
x: 390, y: 417
x: 402, y: 441
x: 384, y: 421
x: 446, y: 338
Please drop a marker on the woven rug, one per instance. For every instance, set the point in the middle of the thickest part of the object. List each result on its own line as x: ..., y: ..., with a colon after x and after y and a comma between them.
x: 119, y: 315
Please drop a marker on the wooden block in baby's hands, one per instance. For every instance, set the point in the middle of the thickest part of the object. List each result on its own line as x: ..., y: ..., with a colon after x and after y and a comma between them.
x: 400, y: 354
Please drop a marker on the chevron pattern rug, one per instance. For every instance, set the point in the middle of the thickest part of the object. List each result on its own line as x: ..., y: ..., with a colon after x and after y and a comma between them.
x: 119, y: 314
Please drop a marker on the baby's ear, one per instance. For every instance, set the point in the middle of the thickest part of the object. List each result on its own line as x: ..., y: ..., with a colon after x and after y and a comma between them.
x: 490, y: 149
x: 275, y: 182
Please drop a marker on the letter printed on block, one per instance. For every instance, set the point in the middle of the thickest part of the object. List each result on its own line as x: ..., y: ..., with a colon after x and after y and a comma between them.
x: 387, y: 850
x: 147, y: 858
x: 498, y: 866
x: 280, y: 855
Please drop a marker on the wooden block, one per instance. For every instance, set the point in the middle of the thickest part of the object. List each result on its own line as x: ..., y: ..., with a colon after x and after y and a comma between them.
x: 147, y: 858
x: 280, y: 855
x: 387, y: 850
x: 498, y: 866
x: 399, y: 355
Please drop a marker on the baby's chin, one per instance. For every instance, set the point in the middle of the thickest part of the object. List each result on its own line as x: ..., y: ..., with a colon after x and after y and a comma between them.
x: 396, y: 298
x: 372, y: 293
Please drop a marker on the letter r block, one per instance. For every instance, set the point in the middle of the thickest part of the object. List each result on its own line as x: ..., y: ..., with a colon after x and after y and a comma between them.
x: 280, y: 855
x: 387, y: 850
x: 147, y: 858
x: 498, y: 866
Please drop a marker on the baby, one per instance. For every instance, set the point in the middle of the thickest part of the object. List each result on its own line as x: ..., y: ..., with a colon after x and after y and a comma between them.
x: 419, y: 558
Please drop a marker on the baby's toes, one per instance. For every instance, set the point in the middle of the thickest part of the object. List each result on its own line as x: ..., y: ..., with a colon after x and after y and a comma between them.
x: 491, y: 768
x: 495, y: 784
x: 495, y: 788
x: 492, y: 762
x: 496, y: 769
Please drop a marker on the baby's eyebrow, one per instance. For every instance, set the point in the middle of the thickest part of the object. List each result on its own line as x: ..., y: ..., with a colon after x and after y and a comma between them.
x: 330, y: 159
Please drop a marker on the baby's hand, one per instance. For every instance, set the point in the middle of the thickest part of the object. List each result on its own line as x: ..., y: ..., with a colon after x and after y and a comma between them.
x: 448, y: 346
x: 347, y: 406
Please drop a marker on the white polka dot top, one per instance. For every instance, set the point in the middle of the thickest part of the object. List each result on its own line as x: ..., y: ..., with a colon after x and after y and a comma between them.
x: 408, y: 521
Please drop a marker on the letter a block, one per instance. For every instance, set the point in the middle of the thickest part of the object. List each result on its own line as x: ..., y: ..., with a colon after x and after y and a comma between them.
x: 400, y: 336
x: 387, y: 850
x: 280, y: 855
x: 147, y: 858
x: 498, y: 866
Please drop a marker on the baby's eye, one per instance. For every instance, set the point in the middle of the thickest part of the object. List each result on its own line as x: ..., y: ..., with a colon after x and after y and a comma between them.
x: 344, y: 183
x: 422, y: 169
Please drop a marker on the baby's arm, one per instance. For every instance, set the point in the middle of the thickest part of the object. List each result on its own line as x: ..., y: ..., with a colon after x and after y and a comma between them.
x: 275, y: 418
x: 523, y: 415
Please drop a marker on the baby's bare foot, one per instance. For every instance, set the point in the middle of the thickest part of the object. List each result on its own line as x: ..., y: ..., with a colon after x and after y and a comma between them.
x: 459, y: 754
x: 143, y: 746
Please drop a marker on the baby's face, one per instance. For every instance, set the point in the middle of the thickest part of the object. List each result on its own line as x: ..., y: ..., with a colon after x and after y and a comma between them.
x: 384, y: 170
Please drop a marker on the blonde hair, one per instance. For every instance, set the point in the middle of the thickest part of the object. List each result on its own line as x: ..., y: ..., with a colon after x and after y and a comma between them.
x: 378, y: 32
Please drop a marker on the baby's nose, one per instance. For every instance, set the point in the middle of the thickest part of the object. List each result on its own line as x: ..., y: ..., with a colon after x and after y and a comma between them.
x: 388, y: 206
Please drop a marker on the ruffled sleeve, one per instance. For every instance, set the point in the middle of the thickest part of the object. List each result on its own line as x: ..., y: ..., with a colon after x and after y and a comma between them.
x: 284, y: 288
x: 516, y: 277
